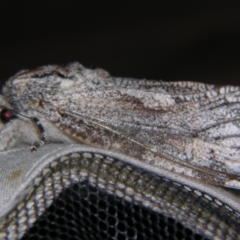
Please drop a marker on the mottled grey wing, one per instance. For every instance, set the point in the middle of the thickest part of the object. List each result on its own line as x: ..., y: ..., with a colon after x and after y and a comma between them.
x: 188, y: 128
x: 194, y: 125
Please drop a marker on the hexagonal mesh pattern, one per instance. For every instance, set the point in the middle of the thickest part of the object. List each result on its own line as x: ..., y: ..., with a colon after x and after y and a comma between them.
x: 93, y: 196
x: 84, y: 212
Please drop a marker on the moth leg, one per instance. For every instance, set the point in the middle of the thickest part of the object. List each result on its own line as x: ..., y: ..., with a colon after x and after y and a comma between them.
x: 42, y: 132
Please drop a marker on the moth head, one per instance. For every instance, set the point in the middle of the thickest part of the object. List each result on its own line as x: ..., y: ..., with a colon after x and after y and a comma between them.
x: 6, y: 114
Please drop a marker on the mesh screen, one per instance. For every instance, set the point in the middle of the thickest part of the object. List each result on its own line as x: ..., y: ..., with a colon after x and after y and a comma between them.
x: 91, y: 196
x: 88, y: 213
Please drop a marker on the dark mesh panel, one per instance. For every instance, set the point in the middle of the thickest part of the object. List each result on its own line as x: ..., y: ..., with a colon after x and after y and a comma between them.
x: 85, y: 212
x: 93, y: 196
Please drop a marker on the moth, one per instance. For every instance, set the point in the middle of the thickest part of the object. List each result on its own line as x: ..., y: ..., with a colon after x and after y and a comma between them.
x: 185, y: 127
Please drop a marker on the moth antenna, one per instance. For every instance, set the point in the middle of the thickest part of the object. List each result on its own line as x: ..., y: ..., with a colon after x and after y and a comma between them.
x: 10, y: 109
x: 41, y: 129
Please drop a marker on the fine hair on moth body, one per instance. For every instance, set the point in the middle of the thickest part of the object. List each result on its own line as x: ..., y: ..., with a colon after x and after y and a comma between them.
x: 8, y: 114
x: 188, y: 128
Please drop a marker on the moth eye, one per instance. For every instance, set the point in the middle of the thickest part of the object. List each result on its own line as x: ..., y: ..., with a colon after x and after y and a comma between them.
x: 6, y: 115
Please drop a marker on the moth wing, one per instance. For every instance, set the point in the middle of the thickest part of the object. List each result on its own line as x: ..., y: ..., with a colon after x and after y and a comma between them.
x: 193, y: 124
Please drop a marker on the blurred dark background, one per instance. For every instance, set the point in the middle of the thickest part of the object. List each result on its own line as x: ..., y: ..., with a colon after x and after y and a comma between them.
x: 170, y: 40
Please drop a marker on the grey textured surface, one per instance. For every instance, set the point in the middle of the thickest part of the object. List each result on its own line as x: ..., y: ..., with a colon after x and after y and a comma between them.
x: 188, y: 128
x: 205, y: 209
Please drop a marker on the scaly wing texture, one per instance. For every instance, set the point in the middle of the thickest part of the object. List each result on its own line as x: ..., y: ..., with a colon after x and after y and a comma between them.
x: 190, y: 128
